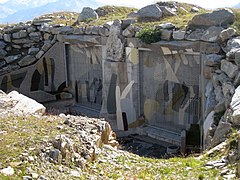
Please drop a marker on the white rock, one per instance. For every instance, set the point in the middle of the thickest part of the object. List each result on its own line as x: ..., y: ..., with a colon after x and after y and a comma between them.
x: 9, y: 171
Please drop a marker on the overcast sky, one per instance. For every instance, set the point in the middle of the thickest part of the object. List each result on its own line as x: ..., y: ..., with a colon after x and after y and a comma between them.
x: 140, y: 3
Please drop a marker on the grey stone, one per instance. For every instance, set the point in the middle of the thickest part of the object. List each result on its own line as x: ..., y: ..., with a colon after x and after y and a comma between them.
x: 195, y: 9
x: 237, y: 58
x: 195, y: 35
x: 36, y: 36
x: 212, y: 59
x: 166, y: 34
x: 11, y: 59
x: 86, y: 14
x: 179, y: 35
x: 78, y: 30
x: 55, y: 155
x: 39, y: 54
x: 95, y: 30
x: 222, y: 17
x: 2, y: 63
x: 3, y: 53
x: 235, y: 106
x: 133, y: 14
x: 210, y: 103
x: 151, y: 11
x: 229, y: 68
x: 2, y: 44
x: 208, y: 71
x: 31, y: 29
x: 219, y: 94
x: 236, y: 81
x: 20, y: 34
x: 47, y: 36
x: 39, y: 22
x: 127, y: 22
x: 88, y: 30
x: 220, y: 107
x: 27, y: 60
x: 220, y: 134
x: 66, y: 95
x: 65, y: 30
x: 212, y: 34
x: 166, y: 11
x: 7, y: 37
x: 103, y: 31
x: 228, y: 91
x: 47, y: 45
x: 232, y: 44
x: 33, y: 50
x: 129, y: 31
x: 27, y: 178
x: 45, y: 28
x: 227, y: 34
x: 16, y: 46
x: 22, y: 41
x: 169, y: 26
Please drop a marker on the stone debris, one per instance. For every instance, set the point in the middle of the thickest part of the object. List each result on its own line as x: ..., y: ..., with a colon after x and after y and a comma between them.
x: 9, y: 171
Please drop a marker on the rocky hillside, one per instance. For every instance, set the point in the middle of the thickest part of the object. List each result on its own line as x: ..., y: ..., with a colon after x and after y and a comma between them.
x: 35, y: 145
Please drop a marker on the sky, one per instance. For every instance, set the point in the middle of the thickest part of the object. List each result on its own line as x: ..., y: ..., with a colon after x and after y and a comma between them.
x: 210, y: 4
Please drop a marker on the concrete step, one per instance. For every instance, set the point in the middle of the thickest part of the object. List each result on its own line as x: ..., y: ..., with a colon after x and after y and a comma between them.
x: 163, y: 135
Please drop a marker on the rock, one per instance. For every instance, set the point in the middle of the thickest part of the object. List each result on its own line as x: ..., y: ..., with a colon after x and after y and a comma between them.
x: 3, y: 53
x: 47, y: 37
x: 232, y: 44
x: 64, y: 30
x: 9, y: 171
x: 228, y: 91
x: 166, y: 34
x: 11, y: 59
x: 150, y: 12
x: 88, y: 30
x: 169, y: 26
x: 235, y: 107
x: 27, y: 178
x: 55, y: 155
x: 219, y: 94
x: 47, y: 45
x: 179, y: 35
x: 2, y: 44
x: 86, y: 14
x: 220, y: 107
x: 206, y: 125
x: 195, y: 35
x: 25, y: 105
x: 22, y: 41
x: 237, y: 58
x: 229, y: 68
x: 34, y: 175
x: 212, y: 60
x: 220, y: 134
x: 27, y: 60
x: 20, y: 34
x: 33, y: 51
x: 212, y: 34
x: 114, y: 45
x: 39, y: 54
x: 236, y: 81
x: 103, y: 31
x: 95, y: 30
x: 31, y: 29
x: 39, y: 22
x: 75, y: 174
x: 133, y: 14
x: 78, y: 30
x: 227, y: 34
x: 36, y: 36
x: 7, y: 37
x: 210, y: 102
x: 129, y: 31
x: 66, y: 95
x: 166, y: 11
x: 2, y: 62
x: 194, y: 9
x: 222, y: 17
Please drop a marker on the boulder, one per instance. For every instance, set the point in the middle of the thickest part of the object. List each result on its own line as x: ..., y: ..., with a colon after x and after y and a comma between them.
x: 236, y: 81
x: 195, y: 35
x: 168, y: 25
x: 166, y: 34
x: 129, y: 31
x: 86, y: 14
x: 27, y: 60
x: 194, y: 9
x: 222, y: 17
x: 212, y: 34
x: 207, y: 124
x: 33, y: 51
x: 221, y: 132
x: 150, y: 12
x: 179, y: 35
x: 9, y: 171
x: 235, y: 107
x: 133, y: 14
x: 227, y: 34
x: 3, y: 53
x: 219, y: 94
x: 166, y: 11
x: 39, y: 54
x: 7, y: 37
x: 232, y: 44
x: 2, y: 44
x: 212, y: 60
x: 237, y: 58
x: 229, y: 68
x: 24, y: 105
x: 47, y: 45
x: 10, y: 59
x: 20, y: 34
x: 209, y: 48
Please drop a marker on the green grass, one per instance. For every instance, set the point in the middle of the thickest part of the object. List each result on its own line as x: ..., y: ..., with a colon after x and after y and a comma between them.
x: 236, y: 24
